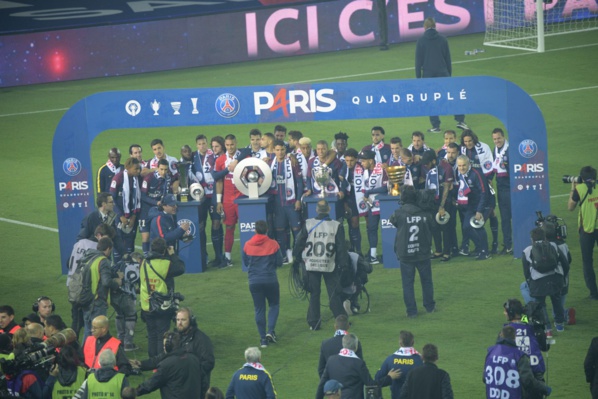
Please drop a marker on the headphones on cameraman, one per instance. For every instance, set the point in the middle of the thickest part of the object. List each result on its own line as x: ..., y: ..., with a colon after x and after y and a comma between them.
x: 192, y: 320
x: 35, y: 306
x: 511, y: 312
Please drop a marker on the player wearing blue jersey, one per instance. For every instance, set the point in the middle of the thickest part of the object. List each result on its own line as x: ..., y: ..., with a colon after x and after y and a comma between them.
x: 126, y: 192
x: 154, y: 187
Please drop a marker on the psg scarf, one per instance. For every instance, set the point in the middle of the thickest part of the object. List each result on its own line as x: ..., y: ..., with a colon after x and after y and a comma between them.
x: 464, y: 189
x: 284, y: 180
x: 432, y: 181
x: 499, y: 164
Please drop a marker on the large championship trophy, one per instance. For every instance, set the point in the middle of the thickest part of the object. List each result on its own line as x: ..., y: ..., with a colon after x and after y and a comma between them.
x: 183, y: 168
x: 252, y: 177
x: 396, y: 176
x: 388, y: 204
x: 322, y: 176
x: 188, y: 212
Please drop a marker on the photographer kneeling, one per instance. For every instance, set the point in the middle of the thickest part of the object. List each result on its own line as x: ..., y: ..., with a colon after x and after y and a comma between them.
x: 586, y: 196
x: 156, y: 276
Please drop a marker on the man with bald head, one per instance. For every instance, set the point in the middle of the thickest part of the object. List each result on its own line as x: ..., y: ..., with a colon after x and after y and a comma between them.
x: 101, y: 339
x: 35, y: 332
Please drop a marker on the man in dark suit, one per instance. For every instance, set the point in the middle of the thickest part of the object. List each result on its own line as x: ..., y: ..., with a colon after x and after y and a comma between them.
x: 428, y: 381
x: 351, y: 372
x: 332, y: 346
x: 104, y: 214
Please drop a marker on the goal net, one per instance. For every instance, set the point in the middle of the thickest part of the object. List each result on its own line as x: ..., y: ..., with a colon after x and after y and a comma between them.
x: 523, y: 24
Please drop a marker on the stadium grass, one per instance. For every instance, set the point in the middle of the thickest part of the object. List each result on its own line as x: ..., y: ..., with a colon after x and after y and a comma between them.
x: 469, y: 294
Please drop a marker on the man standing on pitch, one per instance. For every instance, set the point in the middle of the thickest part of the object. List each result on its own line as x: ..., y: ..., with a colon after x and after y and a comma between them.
x: 412, y: 246
x: 433, y: 60
x: 321, y: 245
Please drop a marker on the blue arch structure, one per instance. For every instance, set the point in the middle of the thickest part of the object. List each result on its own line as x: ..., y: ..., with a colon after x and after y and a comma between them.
x: 506, y: 101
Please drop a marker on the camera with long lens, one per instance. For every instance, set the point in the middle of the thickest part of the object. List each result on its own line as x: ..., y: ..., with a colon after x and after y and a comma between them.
x: 37, y: 357
x: 557, y: 222
x: 571, y: 179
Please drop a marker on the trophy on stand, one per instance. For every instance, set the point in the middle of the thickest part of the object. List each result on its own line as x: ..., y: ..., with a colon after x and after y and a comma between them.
x: 252, y: 177
x: 396, y: 175
x: 322, y: 176
x: 183, y: 168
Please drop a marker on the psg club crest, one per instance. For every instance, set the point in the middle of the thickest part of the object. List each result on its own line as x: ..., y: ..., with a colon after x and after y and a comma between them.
x: 71, y: 166
x: 487, y: 165
x: 362, y: 205
x: 528, y: 148
x: 227, y: 105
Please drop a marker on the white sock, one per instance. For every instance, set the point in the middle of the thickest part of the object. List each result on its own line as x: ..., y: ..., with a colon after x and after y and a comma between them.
x: 373, y: 252
x: 227, y: 255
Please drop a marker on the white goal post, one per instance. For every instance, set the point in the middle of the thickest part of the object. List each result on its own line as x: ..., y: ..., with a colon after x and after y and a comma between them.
x: 524, y: 24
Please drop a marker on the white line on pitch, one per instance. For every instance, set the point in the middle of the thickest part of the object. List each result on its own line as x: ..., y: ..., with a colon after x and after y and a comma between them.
x: 34, y: 112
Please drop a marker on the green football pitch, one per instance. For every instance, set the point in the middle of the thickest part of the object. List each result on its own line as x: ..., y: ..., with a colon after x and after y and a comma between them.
x: 469, y: 295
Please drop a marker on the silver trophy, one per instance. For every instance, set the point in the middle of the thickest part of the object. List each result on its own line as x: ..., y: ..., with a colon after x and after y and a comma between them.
x: 252, y: 177
x: 322, y: 176
x: 183, y: 168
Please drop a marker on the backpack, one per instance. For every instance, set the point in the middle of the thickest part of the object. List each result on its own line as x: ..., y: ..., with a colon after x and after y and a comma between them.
x: 79, y: 288
x: 544, y: 256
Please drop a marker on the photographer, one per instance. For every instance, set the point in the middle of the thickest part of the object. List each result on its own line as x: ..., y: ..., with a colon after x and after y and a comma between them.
x: 123, y: 299
x: 586, y: 195
x: 20, y: 381
x: 156, y: 276
x: 66, y: 376
x: 164, y: 223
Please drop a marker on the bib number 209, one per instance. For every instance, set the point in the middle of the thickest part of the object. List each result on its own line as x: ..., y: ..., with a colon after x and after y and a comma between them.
x: 320, y: 249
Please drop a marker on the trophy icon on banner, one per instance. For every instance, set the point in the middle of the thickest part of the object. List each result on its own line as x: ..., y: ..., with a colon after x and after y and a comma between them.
x: 183, y: 168
x: 322, y: 176
x: 194, y: 103
x: 176, y: 106
x: 396, y: 175
x: 155, y: 106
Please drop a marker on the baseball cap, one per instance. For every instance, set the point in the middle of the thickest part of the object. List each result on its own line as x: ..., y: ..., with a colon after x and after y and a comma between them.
x: 169, y: 199
x: 331, y: 387
x: 367, y: 154
x: 32, y: 317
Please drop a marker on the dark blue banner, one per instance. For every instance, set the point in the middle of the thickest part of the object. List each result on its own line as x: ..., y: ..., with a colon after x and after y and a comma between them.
x: 92, y: 115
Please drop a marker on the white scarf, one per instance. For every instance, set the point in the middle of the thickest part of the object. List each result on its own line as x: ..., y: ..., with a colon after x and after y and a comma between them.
x: 348, y: 353
x: 359, y: 183
x: 340, y: 333
x: 372, y: 180
x: 464, y: 189
x: 127, y: 193
x: 113, y: 169
x: 499, y: 165
x: 432, y: 181
x: 229, y: 159
x: 257, y: 366
x: 376, y: 148
x: 484, y: 156
x: 408, y: 180
x: 287, y: 180
x: 406, y: 351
